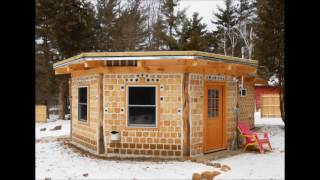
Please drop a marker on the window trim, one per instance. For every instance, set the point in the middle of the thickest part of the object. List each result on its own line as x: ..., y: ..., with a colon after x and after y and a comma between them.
x: 243, y: 90
x: 214, y: 108
x: 156, y: 106
x: 88, y: 97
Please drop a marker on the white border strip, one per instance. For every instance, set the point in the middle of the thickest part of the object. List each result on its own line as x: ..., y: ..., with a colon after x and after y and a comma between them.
x: 124, y: 58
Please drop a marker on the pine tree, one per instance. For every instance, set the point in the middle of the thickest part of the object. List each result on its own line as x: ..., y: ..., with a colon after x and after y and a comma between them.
x: 226, y: 22
x: 185, y: 35
x: 74, y: 27
x: 107, y: 14
x: 213, y: 41
x: 269, y: 44
x: 198, y: 41
x: 193, y: 34
x: 45, y: 80
x: 70, y: 27
x: 129, y: 32
x: 168, y: 24
x: 159, y: 37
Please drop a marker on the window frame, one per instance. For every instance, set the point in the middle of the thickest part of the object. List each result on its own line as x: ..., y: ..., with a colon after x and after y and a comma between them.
x: 156, y: 107
x: 215, y: 106
x: 243, y: 90
x: 86, y: 121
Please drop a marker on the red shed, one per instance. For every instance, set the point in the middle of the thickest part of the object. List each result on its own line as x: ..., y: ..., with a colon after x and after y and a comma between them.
x: 264, y: 89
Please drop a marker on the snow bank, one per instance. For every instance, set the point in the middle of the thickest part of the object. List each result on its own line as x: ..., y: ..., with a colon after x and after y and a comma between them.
x: 56, y: 162
x: 64, y: 131
x: 253, y: 165
x: 266, y: 121
x: 53, y: 117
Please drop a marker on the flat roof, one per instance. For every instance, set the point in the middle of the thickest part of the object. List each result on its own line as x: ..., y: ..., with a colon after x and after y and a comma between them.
x: 153, y: 55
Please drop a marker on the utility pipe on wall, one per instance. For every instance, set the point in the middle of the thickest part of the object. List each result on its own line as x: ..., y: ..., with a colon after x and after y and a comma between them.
x: 239, y: 86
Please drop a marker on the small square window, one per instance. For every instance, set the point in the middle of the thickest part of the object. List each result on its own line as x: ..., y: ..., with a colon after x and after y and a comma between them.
x: 243, y: 92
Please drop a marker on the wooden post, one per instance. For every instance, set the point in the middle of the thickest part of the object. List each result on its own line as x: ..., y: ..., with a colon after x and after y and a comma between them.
x: 100, y: 144
x: 186, y: 123
x: 70, y: 103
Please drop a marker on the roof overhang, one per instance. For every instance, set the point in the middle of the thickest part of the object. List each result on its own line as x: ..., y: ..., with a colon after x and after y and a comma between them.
x: 153, y: 55
x: 156, y: 61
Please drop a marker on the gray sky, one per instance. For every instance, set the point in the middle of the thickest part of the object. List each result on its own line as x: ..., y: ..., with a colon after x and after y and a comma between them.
x: 205, y: 9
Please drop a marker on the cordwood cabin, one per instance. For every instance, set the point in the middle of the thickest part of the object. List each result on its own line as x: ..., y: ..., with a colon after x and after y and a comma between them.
x: 158, y: 103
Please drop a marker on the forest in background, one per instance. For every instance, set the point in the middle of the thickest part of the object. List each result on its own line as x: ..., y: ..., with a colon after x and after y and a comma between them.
x: 251, y: 29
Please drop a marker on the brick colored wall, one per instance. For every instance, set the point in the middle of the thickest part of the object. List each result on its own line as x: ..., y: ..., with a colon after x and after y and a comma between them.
x: 196, y: 84
x: 247, y: 104
x: 84, y: 133
x: 197, y: 110
x: 231, y: 112
x: 164, y: 141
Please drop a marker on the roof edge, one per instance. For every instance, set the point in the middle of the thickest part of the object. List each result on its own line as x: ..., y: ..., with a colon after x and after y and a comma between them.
x: 156, y: 53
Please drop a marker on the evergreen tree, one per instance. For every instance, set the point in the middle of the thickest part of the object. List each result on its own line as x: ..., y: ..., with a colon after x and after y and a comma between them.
x: 159, y: 37
x: 213, y: 41
x: 107, y: 15
x: 226, y: 22
x: 70, y: 27
x: 74, y: 27
x: 193, y: 34
x: 168, y: 24
x: 198, y: 41
x: 45, y: 80
x: 269, y: 44
x: 130, y: 32
x: 185, y: 34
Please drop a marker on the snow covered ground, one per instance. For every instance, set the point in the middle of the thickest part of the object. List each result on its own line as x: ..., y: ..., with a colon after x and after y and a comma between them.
x: 65, y: 129
x: 252, y: 165
x: 62, y: 163
x: 57, y: 162
x: 266, y: 121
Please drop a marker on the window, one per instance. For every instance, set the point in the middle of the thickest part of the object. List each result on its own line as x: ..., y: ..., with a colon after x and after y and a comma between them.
x: 122, y: 63
x: 141, y: 106
x: 82, y: 103
x: 243, y: 92
x: 213, y: 103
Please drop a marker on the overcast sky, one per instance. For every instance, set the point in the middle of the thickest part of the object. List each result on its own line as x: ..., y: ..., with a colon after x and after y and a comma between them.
x: 205, y: 9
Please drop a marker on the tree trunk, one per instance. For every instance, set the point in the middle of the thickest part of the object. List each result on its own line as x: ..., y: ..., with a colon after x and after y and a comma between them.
x: 224, y: 43
x: 186, y: 123
x: 63, y: 95
x: 232, y: 48
x: 250, y: 43
x: 250, y: 51
x: 282, y: 109
x: 100, y: 144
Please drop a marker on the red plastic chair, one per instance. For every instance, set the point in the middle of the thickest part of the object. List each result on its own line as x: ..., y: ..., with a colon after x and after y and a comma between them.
x: 252, y: 137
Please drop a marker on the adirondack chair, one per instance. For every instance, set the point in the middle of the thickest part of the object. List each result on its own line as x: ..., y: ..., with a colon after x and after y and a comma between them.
x: 252, y: 138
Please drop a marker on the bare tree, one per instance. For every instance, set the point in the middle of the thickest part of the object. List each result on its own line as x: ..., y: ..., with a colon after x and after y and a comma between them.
x: 246, y: 12
x: 233, y: 37
x: 247, y: 39
x: 152, y: 9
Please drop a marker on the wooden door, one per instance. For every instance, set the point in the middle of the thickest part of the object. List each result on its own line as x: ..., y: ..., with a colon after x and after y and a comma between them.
x: 213, y: 130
